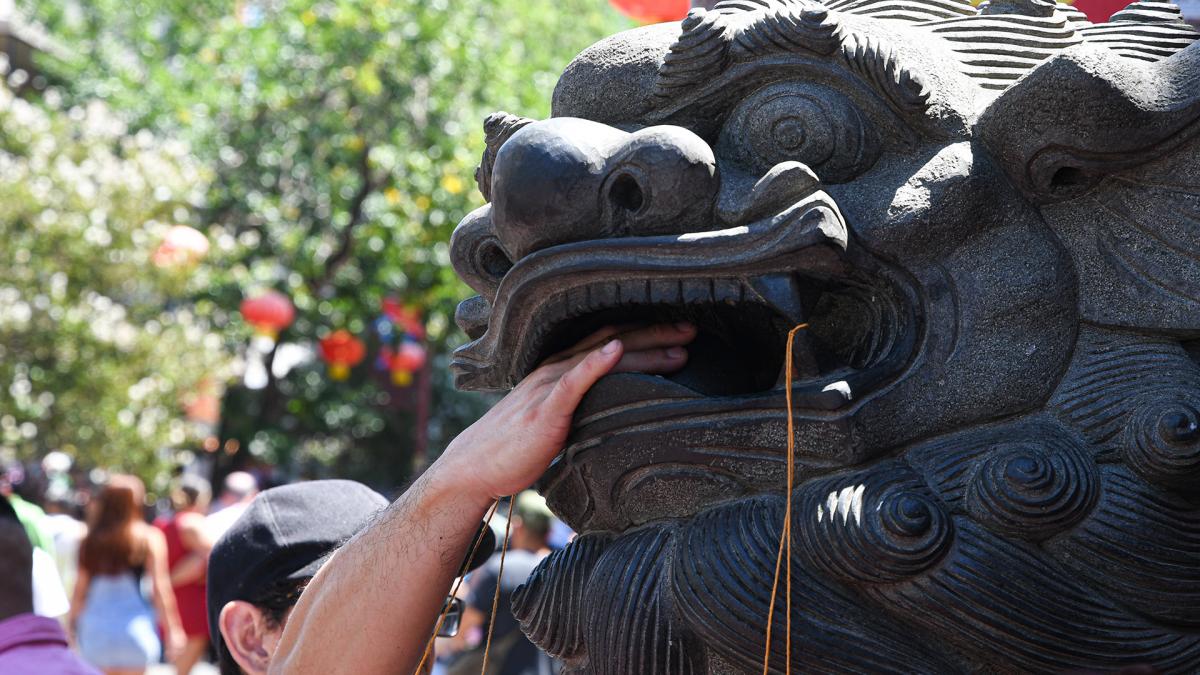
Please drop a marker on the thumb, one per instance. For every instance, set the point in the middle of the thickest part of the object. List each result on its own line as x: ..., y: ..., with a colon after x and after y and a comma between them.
x: 574, y: 383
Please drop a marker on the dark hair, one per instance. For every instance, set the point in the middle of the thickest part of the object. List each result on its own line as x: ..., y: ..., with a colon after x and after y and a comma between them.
x: 114, y: 543
x: 16, y: 563
x: 274, y: 601
x: 190, y: 491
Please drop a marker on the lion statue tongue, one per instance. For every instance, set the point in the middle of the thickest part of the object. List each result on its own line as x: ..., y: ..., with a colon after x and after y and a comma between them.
x: 987, y: 219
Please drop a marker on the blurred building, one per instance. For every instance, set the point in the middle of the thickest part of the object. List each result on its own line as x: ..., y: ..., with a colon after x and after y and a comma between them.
x: 21, y: 43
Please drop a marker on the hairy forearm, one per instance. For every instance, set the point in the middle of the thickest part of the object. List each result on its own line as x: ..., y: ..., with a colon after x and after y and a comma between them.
x: 378, y: 597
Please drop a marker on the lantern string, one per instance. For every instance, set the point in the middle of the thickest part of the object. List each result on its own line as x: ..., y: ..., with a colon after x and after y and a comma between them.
x: 462, y: 571
x: 785, y: 534
x: 512, y: 499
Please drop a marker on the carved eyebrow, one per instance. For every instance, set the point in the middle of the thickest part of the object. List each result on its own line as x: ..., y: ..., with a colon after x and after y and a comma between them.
x: 743, y: 31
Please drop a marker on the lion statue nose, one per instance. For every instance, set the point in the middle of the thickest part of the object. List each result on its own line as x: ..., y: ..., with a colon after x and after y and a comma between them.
x: 564, y: 180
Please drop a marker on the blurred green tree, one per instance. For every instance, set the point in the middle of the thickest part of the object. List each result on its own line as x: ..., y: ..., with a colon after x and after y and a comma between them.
x: 94, y: 358
x: 342, y: 136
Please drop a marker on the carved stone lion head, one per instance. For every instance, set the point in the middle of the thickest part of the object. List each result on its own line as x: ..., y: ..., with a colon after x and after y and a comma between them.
x: 990, y: 221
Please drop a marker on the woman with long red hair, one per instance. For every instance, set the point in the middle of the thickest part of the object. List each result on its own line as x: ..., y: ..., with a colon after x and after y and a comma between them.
x: 113, y: 624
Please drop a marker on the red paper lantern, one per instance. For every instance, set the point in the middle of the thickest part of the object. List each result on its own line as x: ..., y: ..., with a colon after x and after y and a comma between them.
x: 182, y: 245
x: 652, y: 11
x: 204, y: 404
x: 268, y: 313
x: 404, y: 361
x: 407, y: 317
x: 342, y: 351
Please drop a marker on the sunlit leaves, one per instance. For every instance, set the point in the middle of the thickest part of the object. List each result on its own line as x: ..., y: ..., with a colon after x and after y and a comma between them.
x: 329, y: 126
x: 94, y: 359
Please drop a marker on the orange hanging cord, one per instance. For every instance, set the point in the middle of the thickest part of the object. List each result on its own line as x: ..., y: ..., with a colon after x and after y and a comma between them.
x: 499, y: 579
x: 458, y: 583
x: 785, y: 534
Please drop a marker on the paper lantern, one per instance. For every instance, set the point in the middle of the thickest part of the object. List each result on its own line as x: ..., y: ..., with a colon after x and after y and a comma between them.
x: 204, y: 404
x: 182, y: 245
x: 652, y: 11
x: 407, y: 359
x: 342, y: 351
x: 406, y: 317
x: 268, y: 313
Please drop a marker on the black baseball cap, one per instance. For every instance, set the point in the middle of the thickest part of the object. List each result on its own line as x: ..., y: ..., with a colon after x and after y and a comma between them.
x: 286, y: 534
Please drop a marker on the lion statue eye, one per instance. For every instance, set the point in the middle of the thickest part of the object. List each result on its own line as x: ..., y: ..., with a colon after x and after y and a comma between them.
x: 801, y: 122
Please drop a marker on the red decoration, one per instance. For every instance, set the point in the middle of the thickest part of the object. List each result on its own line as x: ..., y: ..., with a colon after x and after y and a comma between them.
x: 204, y: 404
x: 652, y: 11
x: 182, y: 245
x: 268, y: 313
x: 342, y: 351
x: 403, y: 362
x: 1099, y: 11
x: 407, y: 317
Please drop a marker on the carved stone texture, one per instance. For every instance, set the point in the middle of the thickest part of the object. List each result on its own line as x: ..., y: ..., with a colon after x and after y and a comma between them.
x: 990, y: 220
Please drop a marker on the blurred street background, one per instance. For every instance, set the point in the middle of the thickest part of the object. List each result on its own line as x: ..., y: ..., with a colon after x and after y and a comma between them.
x: 225, y: 232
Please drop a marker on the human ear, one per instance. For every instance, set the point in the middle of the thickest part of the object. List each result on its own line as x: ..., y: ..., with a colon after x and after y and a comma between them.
x: 244, y: 629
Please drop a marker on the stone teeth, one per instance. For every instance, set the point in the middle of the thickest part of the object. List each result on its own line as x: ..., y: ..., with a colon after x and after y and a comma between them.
x: 665, y: 291
x: 577, y: 300
x: 696, y: 291
x: 727, y: 290
x: 602, y: 296
x: 632, y: 292
x: 782, y: 293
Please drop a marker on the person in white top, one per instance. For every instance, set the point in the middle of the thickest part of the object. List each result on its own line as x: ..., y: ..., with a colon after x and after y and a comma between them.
x: 239, y: 490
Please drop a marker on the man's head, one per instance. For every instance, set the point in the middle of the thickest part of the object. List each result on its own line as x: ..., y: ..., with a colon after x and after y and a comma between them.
x: 531, y: 521
x: 259, y: 567
x: 191, y: 493
x: 16, y: 564
x: 239, y: 486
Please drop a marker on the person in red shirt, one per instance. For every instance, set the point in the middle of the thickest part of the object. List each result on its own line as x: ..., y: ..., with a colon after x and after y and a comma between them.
x: 188, y: 545
x: 29, y: 644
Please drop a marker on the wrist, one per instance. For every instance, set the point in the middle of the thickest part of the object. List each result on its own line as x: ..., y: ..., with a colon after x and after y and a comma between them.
x: 452, y: 481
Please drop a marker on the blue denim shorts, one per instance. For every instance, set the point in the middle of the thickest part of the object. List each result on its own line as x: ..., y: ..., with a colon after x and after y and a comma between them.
x: 117, y: 628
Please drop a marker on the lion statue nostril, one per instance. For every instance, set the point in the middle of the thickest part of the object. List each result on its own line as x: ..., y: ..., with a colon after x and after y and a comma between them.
x: 625, y: 193
x: 492, y: 260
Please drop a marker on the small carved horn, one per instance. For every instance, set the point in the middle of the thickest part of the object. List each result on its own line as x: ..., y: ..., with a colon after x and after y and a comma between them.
x: 497, y: 129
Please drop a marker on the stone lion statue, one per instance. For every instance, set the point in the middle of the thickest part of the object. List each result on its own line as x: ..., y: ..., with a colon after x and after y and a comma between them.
x: 988, y: 218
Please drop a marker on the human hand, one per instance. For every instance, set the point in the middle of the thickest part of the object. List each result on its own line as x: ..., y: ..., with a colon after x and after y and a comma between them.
x: 174, y: 642
x: 510, y: 446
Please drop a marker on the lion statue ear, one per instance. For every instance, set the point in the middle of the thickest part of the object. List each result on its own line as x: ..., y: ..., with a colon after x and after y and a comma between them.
x: 1109, y: 147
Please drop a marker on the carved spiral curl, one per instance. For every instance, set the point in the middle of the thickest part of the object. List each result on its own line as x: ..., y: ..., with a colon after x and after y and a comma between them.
x: 1033, y: 490
x: 874, y: 533
x: 700, y: 53
x: 1162, y: 442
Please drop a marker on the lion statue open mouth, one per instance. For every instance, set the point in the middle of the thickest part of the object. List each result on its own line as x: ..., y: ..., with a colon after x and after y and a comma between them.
x: 988, y: 218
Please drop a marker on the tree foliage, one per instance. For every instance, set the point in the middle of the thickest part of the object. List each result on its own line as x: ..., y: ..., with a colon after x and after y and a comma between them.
x: 94, y: 360
x: 342, y: 138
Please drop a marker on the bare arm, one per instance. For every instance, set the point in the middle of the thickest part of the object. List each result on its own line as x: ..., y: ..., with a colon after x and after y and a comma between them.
x: 195, y: 538
x: 83, y: 579
x: 164, y: 597
x: 378, y: 597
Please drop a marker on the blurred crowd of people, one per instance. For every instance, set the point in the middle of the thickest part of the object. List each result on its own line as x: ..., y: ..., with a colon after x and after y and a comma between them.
x: 127, y: 578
